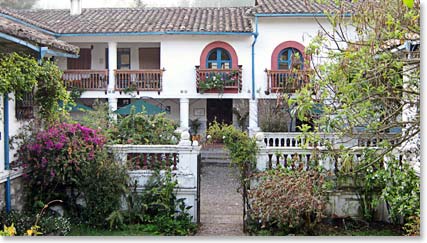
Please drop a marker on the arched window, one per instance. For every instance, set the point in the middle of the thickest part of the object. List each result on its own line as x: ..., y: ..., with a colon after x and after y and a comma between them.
x: 289, y: 55
x: 219, y: 58
x: 290, y: 58
x: 219, y: 55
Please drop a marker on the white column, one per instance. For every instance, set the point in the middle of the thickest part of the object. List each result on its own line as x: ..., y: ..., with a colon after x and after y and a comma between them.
x: 112, y: 103
x: 253, y: 117
x: 184, y: 112
x: 112, y: 65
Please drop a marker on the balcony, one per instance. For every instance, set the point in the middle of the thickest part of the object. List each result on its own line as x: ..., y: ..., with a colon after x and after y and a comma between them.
x: 88, y: 80
x: 286, y: 81
x: 219, y: 80
x: 139, y: 80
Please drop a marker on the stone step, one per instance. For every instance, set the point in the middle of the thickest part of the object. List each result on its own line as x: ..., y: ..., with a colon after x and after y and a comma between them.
x: 215, y: 161
x: 215, y: 156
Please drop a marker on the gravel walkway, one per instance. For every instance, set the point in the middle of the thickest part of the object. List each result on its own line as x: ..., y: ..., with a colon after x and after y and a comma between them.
x: 221, y: 205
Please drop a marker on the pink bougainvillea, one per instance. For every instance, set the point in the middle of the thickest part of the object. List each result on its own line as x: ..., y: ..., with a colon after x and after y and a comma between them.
x: 55, y: 156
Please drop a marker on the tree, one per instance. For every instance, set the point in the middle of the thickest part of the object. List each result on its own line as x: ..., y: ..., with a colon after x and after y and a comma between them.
x: 367, y: 84
x: 369, y: 87
x: 15, y: 4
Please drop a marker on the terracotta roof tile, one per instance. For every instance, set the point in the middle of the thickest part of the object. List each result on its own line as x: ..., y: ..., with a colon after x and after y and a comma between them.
x: 34, y: 36
x: 290, y: 7
x: 139, y: 20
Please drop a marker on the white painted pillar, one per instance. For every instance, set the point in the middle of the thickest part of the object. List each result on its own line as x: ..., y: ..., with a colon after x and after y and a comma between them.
x: 112, y: 65
x: 184, y: 113
x: 253, y: 117
x: 112, y: 103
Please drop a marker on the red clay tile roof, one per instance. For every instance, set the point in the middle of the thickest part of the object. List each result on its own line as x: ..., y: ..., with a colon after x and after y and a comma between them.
x: 110, y: 20
x: 290, y: 7
x: 34, y: 36
x: 175, y: 19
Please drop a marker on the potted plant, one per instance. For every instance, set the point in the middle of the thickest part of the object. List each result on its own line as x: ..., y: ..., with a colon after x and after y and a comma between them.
x: 217, y: 81
x: 194, y: 129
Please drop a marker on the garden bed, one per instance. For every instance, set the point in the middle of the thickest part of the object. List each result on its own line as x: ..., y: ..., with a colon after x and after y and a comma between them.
x: 350, y: 227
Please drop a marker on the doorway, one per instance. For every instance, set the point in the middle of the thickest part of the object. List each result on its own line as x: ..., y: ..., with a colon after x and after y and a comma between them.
x: 220, y: 110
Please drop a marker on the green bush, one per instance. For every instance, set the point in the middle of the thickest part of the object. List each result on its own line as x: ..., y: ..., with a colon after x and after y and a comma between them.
x: 55, y: 225
x: 145, y: 129
x: 287, y: 202
x: 50, y: 224
x: 102, y: 185
x: 157, y: 205
x: 21, y: 220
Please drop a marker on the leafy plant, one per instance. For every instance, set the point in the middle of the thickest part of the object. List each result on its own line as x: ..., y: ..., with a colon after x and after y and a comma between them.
x: 287, y: 201
x: 130, y: 88
x: 195, y: 126
x: 102, y: 185
x: 55, y: 225
x: 103, y: 123
x: 23, y: 223
x: 217, y: 81
x: 8, y: 231
x: 158, y: 205
x: 18, y: 73
x: 141, y: 128
x: 75, y: 93
x: 50, y: 90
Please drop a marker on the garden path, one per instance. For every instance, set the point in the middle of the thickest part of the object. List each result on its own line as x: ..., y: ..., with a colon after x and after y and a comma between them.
x: 221, y: 205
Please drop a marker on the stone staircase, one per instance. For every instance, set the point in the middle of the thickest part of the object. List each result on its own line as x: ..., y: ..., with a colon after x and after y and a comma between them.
x: 214, y: 154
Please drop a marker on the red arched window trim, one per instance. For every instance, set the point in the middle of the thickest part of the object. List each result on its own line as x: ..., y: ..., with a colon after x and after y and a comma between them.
x: 219, y: 44
x: 288, y: 44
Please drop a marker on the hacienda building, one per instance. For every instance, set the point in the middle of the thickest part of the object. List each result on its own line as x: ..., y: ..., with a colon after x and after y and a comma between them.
x: 171, y: 57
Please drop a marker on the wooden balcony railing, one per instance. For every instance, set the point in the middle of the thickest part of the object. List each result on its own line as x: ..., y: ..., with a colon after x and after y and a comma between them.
x: 91, y: 80
x: 219, y: 80
x: 287, y: 81
x: 139, y: 80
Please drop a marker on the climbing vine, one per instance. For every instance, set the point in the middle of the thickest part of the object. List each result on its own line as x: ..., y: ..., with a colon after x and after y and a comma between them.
x: 18, y: 74
x: 50, y: 90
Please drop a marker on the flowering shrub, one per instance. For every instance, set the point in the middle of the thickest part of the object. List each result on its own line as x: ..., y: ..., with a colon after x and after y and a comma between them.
x: 55, y: 158
x: 218, y: 81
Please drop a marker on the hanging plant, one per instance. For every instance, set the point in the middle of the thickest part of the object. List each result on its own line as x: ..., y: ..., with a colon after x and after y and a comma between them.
x: 217, y: 81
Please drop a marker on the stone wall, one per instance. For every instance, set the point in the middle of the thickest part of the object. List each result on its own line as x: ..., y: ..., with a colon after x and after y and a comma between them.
x: 17, y: 193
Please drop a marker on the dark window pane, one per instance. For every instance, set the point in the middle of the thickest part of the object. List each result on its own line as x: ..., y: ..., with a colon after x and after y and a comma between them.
x: 212, y: 55
x: 224, y: 55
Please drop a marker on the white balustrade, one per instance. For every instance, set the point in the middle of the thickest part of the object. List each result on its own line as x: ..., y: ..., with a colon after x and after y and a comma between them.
x: 182, y: 159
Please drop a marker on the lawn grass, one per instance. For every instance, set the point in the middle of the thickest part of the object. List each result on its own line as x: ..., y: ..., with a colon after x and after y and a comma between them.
x: 128, y: 230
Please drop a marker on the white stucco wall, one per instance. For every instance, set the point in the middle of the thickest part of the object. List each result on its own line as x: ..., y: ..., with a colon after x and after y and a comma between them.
x: 15, y: 127
x: 273, y: 31
x: 178, y: 55
x: 181, y: 53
